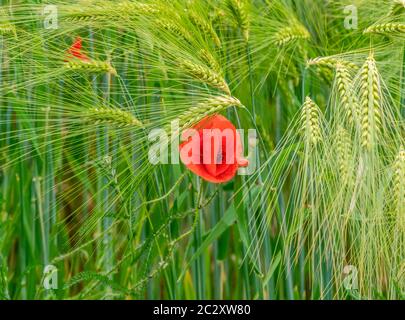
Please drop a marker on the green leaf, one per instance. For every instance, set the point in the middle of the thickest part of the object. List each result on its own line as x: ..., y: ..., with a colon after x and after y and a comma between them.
x: 223, y: 245
x: 227, y: 220
x: 274, y: 264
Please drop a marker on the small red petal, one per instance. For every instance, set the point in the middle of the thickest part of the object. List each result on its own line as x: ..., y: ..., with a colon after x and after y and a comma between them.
x: 77, y: 44
x: 75, y: 51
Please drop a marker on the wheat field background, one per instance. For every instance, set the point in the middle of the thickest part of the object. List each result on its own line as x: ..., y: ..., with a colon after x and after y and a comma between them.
x: 84, y: 214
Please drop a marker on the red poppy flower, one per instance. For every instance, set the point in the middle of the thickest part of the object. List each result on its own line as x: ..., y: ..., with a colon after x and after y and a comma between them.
x: 75, y: 51
x: 213, y: 149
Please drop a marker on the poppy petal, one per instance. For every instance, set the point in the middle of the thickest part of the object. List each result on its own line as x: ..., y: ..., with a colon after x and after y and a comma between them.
x: 75, y: 50
x: 214, y: 150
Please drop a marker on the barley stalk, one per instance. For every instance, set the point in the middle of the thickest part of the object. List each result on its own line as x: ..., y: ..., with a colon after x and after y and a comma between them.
x: 290, y: 34
x: 205, y: 75
x: 92, y: 66
x: 345, y: 90
x: 370, y: 102
x: 386, y: 28
x: 310, y: 122
x: 111, y: 116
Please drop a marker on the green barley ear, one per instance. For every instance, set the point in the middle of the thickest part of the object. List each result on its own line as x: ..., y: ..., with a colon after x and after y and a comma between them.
x: 344, y: 151
x: 74, y: 13
x: 92, y: 66
x: 325, y: 66
x: 386, y: 28
x: 310, y: 122
x: 287, y: 35
x: 205, y: 75
x: 399, y: 187
x: 346, y: 94
x: 6, y: 27
x: 211, y: 62
x: 239, y: 10
x: 105, y: 11
x: 112, y: 117
x: 370, y: 102
x: 207, y: 108
x: 175, y: 29
x: 205, y: 27
x: 135, y: 7
x: 331, y: 62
